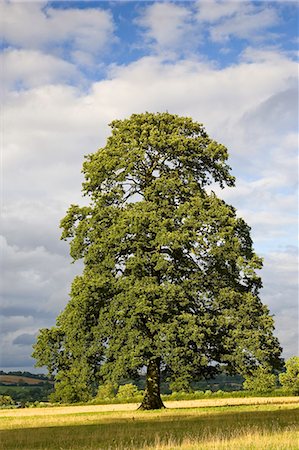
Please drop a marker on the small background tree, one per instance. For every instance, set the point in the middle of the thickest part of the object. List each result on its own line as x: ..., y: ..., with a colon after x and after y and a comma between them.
x: 6, y: 400
x: 107, y: 391
x: 180, y: 385
x: 290, y: 379
x: 260, y: 381
x: 127, y: 391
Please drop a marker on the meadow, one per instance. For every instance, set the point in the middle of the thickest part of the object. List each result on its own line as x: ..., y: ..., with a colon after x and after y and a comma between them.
x: 261, y: 423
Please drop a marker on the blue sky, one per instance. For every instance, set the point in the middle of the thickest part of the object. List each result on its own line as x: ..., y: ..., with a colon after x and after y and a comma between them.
x: 70, y: 68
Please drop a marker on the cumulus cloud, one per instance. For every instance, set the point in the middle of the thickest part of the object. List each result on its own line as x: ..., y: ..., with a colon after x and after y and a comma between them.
x: 282, y: 296
x: 38, y: 219
x: 84, y: 32
x: 211, y: 95
x: 280, y: 108
x: 34, y: 278
x: 173, y: 29
x: 23, y: 69
x: 25, y: 339
x: 227, y: 19
x: 169, y: 27
x: 244, y: 26
x: 34, y: 288
x: 214, y: 10
x: 15, y: 355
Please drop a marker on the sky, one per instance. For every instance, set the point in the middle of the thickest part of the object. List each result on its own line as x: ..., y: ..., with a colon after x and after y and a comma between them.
x: 69, y: 68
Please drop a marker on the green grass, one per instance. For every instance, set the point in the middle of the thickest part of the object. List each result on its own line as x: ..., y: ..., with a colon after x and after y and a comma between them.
x: 191, y: 428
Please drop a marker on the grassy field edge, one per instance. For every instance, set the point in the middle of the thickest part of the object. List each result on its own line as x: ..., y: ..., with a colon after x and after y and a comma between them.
x: 272, y: 424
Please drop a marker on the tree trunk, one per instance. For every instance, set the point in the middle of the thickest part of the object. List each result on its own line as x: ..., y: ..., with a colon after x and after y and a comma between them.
x: 152, y: 398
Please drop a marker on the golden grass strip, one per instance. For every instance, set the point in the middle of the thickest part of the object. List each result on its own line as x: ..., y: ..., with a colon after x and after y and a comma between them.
x: 201, y: 403
x: 231, y: 402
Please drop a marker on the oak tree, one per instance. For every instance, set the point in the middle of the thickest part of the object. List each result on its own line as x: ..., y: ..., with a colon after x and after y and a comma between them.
x: 170, y: 281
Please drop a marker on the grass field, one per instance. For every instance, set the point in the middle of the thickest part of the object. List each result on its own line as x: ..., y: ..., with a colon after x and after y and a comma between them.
x: 262, y: 423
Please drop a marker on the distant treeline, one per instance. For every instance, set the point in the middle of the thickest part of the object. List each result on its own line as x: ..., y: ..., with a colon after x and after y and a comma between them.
x: 221, y: 381
x: 29, y: 393
x: 23, y: 391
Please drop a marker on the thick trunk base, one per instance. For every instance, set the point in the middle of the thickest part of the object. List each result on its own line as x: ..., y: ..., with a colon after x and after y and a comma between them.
x: 148, y: 403
x: 152, y: 398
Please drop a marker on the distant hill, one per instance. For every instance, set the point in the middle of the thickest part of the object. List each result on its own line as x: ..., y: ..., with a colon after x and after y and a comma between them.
x: 14, y: 379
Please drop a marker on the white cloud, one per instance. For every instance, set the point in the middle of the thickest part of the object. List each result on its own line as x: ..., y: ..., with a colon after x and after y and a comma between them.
x: 168, y: 26
x: 53, y: 122
x: 280, y: 108
x: 244, y: 20
x: 214, y: 10
x: 266, y: 194
x: 38, y: 218
x: 280, y: 279
x: 34, y: 274
x: 261, y: 55
x: 209, y: 94
x: 34, y: 288
x: 244, y: 26
x: 36, y: 26
x: 28, y: 68
x: 15, y: 355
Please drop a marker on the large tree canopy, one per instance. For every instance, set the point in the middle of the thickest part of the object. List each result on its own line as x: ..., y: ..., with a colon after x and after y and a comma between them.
x: 169, y: 281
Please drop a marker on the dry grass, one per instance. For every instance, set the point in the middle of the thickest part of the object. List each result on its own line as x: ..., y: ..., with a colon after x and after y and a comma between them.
x: 270, y: 425
x: 178, y: 404
x: 78, y: 418
x: 61, y: 410
x: 232, y: 402
x: 251, y: 440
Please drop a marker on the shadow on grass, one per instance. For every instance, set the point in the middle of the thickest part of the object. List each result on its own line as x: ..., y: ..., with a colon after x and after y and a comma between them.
x: 136, y: 432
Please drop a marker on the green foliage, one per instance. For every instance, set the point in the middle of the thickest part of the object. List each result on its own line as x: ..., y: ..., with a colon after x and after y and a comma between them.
x: 290, y: 379
x: 106, y: 391
x: 208, y: 393
x: 6, y: 400
x: 127, y: 391
x: 72, y: 385
x: 261, y: 380
x: 196, y: 395
x: 169, y: 278
x: 180, y: 385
